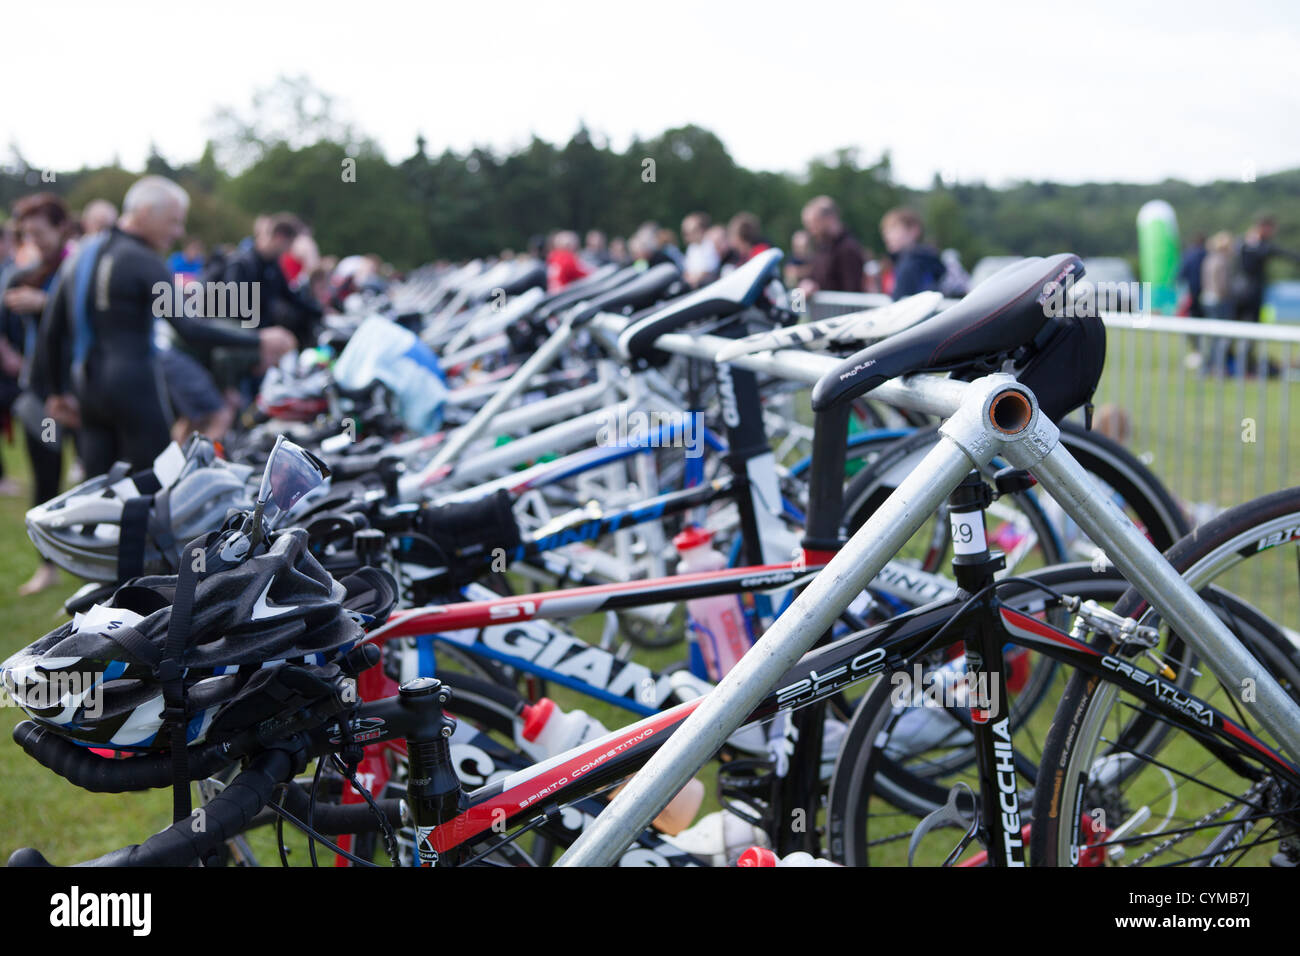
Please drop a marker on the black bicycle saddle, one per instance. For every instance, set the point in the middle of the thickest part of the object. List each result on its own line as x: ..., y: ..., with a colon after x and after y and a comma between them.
x: 717, y: 300
x: 997, y: 317
x: 653, y: 285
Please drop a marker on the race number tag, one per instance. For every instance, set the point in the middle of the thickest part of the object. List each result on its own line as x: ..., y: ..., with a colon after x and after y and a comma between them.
x: 968, y: 532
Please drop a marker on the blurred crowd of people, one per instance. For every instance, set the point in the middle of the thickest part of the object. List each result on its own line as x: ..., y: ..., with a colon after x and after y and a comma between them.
x: 823, y: 256
x: 89, y: 360
x: 1225, y: 276
x: 93, y: 353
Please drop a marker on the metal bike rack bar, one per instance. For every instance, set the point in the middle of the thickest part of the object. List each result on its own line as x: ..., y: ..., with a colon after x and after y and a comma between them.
x: 925, y: 393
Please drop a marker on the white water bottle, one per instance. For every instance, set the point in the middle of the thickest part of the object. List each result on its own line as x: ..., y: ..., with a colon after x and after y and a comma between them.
x: 547, y: 730
x: 717, y: 624
x: 719, y: 838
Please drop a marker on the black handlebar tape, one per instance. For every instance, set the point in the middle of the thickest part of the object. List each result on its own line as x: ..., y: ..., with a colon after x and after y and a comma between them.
x: 332, y: 819
x: 183, y: 843
x: 103, y: 775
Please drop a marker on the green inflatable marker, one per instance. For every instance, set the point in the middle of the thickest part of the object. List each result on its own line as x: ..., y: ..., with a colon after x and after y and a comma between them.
x: 1158, y: 254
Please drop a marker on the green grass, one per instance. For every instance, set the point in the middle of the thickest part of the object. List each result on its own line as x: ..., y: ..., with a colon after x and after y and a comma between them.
x: 1214, y: 442
x: 1220, y: 441
x: 38, y: 808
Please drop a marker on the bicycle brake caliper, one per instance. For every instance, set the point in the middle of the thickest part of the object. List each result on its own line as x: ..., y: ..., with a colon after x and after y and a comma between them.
x: 1091, y: 617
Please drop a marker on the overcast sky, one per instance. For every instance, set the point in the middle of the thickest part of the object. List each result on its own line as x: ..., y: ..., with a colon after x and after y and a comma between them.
x: 1111, y: 91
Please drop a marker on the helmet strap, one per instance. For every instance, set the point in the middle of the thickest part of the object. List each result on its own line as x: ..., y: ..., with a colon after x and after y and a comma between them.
x: 132, y: 536
x: 172, y: 674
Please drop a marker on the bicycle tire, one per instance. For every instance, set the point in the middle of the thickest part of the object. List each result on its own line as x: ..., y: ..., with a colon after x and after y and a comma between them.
x: 1063, y: 797
x: 863, y: 770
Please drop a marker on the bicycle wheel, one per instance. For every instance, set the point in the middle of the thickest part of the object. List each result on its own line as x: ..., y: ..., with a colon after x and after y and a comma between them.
x: 1114, y: 791
x: 897, y: 762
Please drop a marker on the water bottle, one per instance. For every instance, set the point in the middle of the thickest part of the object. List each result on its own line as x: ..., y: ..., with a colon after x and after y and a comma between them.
x: 546, y: 730
x: 760, y: 856
x: 719, y: 838
x: 717, y: 624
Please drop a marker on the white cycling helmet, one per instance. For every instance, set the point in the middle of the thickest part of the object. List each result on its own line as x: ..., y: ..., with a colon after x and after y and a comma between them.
x: 80, y: 530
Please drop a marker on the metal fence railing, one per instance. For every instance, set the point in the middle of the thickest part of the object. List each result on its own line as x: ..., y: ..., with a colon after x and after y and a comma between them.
x: 1211, y: 407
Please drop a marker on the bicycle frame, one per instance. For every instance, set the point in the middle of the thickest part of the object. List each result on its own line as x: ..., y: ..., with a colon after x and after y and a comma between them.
x: 979, y: 426
x: 885, y: 648
x: 560, y: 422
x: 752, y: 485
x: 626, y: 684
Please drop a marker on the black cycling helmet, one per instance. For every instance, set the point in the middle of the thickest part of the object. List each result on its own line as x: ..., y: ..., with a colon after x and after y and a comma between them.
x: 99, y: 685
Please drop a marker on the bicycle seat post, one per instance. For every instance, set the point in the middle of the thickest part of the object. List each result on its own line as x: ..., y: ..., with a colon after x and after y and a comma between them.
x: 433, y: 791
x: 973, y: 564
x: 974, y: 567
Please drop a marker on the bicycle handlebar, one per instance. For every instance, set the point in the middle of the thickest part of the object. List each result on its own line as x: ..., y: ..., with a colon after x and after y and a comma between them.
x: 228, y: 814
x: 333, y: 819
x: 103, y: 775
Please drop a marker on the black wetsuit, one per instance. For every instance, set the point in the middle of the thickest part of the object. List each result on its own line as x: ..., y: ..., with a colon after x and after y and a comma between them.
x: 279, y: 303
x: 1248, y: 285
x: 125, y: 413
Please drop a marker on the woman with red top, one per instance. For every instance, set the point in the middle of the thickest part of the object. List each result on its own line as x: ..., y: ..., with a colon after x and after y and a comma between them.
x: 562, y: 265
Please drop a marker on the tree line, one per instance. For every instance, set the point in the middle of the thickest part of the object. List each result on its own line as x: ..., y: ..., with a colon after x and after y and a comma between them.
x: 456, y: 205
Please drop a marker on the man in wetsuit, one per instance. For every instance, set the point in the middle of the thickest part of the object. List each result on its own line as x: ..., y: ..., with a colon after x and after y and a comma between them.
x: 96, y: 339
